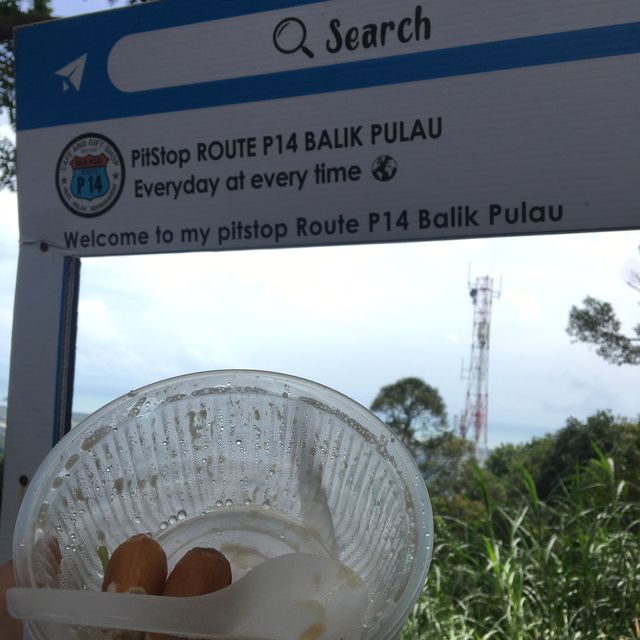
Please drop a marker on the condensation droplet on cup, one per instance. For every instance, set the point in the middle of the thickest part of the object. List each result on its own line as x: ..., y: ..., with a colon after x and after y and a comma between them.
x: 266, y: 505
x: 219, y: 503
x: 228, y: 502
x: 238, y: 442
x: 182, y: 514
x: 163, y: 525
x: 173, y: 519
x: 247, y: 502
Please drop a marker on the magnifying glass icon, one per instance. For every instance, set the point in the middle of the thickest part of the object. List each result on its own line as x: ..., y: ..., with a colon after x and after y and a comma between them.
x: 290, y: 35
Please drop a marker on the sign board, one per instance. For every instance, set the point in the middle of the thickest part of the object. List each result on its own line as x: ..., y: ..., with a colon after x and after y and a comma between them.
x: 198, y: 125
x: 187, y: 125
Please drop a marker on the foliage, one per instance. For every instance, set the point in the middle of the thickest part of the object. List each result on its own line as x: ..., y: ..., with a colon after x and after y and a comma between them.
x: 446, y: 460
x: 14, y: 13
x: 596, y: 323
x: 555, y: 457
x: 559, y: 569
x: 416, y: 413
x: 506, y: 460
x: 413, y: 409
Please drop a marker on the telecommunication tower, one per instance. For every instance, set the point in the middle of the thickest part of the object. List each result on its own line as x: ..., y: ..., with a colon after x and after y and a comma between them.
x: 474, y: 417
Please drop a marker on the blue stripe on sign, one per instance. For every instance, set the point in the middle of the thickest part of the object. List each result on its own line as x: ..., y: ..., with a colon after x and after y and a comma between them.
x: 41, y: 49
x: 107, y: 102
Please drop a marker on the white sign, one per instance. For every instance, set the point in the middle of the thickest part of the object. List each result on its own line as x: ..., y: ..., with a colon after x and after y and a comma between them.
x: 197, y: 126
x: 189, y: 125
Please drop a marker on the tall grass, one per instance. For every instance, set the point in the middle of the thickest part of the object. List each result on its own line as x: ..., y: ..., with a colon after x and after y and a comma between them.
x: 564, y: 569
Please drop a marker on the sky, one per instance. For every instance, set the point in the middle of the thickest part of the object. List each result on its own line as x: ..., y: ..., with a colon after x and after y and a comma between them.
x: 354, y: 318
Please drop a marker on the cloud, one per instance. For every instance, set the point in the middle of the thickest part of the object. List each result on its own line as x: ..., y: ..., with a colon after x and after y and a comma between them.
x: 581, y: 395
x: 354, y: 318
x: 524, y: 304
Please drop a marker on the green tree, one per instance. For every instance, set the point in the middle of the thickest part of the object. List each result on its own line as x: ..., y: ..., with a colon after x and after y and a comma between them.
x: 554, y: 459
x: 597, y: 324
x: 446, y: 462
x: 416, y: 413
x: 506, y: 462
x: 579, y: 442
x: 413, y: 410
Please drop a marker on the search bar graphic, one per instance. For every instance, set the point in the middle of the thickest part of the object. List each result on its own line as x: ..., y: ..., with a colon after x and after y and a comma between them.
x: 196, y: 53
x: 299, y: 37
x: 322, y: 34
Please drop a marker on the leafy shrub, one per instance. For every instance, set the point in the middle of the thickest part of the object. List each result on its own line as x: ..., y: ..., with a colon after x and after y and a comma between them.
x: 563, y: 568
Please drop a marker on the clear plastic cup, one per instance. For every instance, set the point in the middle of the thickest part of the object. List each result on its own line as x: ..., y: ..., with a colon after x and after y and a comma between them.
x: 255, y: 464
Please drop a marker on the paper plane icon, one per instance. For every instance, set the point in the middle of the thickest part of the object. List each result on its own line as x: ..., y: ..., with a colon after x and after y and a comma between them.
x: 72, y: 73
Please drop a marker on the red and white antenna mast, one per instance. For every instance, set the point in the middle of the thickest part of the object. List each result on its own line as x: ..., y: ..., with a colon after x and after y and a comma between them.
x: 476, y: 407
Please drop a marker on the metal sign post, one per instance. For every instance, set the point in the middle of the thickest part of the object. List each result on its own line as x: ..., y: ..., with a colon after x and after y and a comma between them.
x: 186, y: 125
x: 42, y: 364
